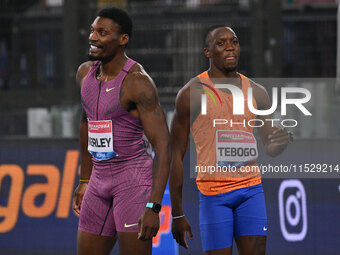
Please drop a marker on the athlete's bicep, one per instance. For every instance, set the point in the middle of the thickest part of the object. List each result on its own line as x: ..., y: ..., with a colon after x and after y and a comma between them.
x: 82, y: 71
x: 83, y: 117
x: 83, y: 128
x: 180, y: 125
x: 144, y: 95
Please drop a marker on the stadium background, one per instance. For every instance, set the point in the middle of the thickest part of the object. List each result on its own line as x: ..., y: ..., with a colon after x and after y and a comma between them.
x: 42, y: 42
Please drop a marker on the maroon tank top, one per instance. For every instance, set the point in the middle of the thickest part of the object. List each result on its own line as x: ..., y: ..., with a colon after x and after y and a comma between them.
x: 101, y: 102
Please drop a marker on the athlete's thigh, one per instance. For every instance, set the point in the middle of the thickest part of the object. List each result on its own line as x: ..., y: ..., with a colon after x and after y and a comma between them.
x: 96, y: 230
x: 224, y: 251
x: 96, y: 215
x: 251, y: 222
x: 128, y: 207
x: 91, y: 244
x: 130, y: 245
x: 216, y: 224
x: 251, y: 245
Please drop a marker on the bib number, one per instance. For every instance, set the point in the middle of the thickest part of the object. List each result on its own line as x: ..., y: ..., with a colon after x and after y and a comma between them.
x: 100, y: 143
x: 235, y: 148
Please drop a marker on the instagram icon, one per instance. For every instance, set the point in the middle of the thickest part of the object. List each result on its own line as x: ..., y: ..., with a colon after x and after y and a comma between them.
x: 293, y: 210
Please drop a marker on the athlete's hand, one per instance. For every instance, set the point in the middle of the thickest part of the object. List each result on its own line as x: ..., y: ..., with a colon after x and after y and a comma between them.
x: 280, y: 136
x: 179, y: 228
x: 78, y: 197
x: 148, y: 225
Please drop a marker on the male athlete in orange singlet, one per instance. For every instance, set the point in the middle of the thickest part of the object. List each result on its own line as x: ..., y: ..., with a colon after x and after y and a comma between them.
x: 231, y: 204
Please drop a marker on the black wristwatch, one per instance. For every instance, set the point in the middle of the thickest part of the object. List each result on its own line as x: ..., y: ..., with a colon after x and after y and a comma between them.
x: 156, y: 207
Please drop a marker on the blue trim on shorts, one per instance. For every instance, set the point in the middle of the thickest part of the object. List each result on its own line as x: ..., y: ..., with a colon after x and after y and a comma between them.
x: 240, y: 212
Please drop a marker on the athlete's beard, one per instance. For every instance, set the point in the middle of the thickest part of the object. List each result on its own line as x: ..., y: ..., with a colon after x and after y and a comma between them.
x: 230, y: 69
x: 102, y: 59
x: 93, y: 58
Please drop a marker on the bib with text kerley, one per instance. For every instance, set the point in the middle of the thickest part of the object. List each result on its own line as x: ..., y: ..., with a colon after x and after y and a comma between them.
x: 100, y: 143
x: 235, y: 148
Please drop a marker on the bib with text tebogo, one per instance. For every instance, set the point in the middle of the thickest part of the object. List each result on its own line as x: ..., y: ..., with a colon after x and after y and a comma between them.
x: 235, y: 148
x: 100, y: 143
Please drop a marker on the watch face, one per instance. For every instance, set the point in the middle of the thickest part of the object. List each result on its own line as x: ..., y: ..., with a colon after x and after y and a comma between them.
x: 157, y: 207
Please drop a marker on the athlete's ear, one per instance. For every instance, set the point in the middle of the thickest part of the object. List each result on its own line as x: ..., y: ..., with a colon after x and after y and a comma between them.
x: 124, y: 39
x: 207, y: 52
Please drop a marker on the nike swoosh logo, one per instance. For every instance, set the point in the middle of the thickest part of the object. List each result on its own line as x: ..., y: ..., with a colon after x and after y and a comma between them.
x: 108, y: 90
x: 131, y: 225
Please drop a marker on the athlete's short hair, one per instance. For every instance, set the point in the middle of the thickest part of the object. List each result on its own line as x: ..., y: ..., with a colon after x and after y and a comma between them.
x: 208, y: 32
x: 120, y: 17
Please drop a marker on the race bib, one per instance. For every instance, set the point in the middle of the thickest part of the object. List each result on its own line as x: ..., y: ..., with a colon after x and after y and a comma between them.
x: 100, y: 143
x: 235, y: 148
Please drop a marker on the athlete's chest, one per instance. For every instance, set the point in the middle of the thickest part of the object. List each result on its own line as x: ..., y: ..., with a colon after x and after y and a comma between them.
x: 230, y: 106
x: 101, y: 100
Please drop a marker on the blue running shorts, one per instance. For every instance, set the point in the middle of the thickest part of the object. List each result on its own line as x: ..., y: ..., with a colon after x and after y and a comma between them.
x: 240, y: 212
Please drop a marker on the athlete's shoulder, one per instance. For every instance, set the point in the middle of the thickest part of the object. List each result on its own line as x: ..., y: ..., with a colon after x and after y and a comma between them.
x: 83, y: 70
x: 137, y: 67
x: 137, y: 76
x: 203, y: 75
x: 138, y: 85
x: 188, y: 96
x: 256, y: 85
x: 184, y: 92
x: 260, y: 94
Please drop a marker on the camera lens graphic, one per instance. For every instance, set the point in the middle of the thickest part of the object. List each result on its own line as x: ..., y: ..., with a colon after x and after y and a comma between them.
x: 293, y: 200
x: 293, y: 210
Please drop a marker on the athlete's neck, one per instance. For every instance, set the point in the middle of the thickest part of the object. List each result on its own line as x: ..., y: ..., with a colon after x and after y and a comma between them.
x: 214, y: 72
x: 114, y: 66
x: 233, y: 77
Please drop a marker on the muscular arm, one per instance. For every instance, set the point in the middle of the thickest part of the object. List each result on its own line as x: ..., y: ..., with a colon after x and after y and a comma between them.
x: 274, y: 138
x: 180, y: 127
x: 86, y: 162
x: 140, y: 91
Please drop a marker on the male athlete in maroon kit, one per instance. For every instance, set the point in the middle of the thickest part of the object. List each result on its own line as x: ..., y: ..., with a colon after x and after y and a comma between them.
x: 121, y: 187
